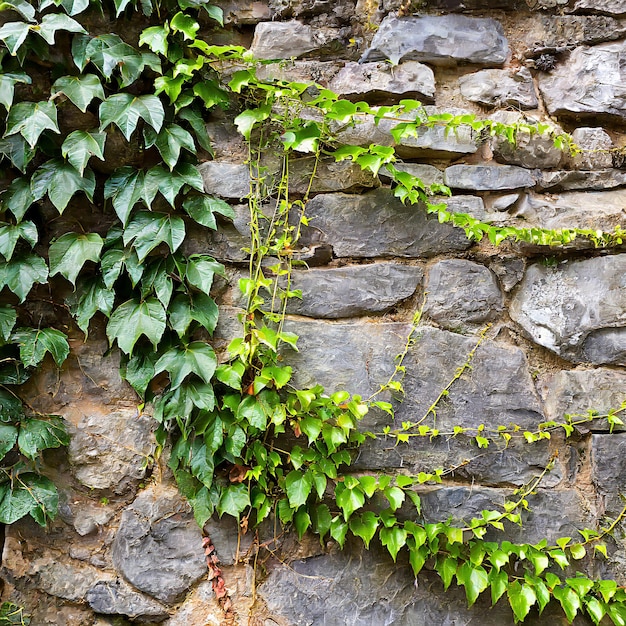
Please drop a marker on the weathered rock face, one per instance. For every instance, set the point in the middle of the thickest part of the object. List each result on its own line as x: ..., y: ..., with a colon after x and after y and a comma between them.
x: 488, y: 177
x: 439, y: 39
x: 158, y: 546
x: 117, y: 598
x: 595, y: 145
x: 499, y: 87
x: 588, y: 84
x: 610, y: 7
x: 577, y: 309
x: 347, y: 224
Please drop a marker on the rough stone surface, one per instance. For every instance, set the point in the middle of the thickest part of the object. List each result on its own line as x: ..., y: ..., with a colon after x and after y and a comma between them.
x: 227, y: 180
x: 115, y: 597
x: 610, y: 7
x: 69, y: 582
x: 376, y: 224
x: 595, y: 144
x: 499, y: 87
x: 497, y: 390
x: 576, y: 392
x: 428, y: 174
x: 589, y: 84
x: 461, y: 294
x: 109, y: 450
x: 89, y: 518
x: 158, y: 546
x: 570, y: 308
x: 488, y: 177
x: 285, y: 40
x: 576, y: 180
x: 561, y: 31
x: 350, y: 291
x: 250, y: 12
x: 329, y: 176
x: 381, y: 81
x: 303, y: 71
x: 439, y: 39
x: 608, y: 461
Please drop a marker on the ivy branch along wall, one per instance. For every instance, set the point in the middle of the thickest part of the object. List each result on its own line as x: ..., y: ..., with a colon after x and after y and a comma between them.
x: 503, y: 351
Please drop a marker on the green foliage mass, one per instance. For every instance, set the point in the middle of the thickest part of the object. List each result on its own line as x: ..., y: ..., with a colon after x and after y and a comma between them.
x: 101, y: 133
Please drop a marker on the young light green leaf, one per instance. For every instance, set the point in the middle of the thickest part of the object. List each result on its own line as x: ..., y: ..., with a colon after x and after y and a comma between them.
x: 80, y: 145
x: 569, y: 599
x: 247, y: 120
x: 71, y: 251
x: 298, y: 487
x: 393, y: 539
x: 364, y: 526
x: 185, y: 24
x: 34, y: 343
x: 197, y: 358
x: 349, y: 500
x: 234, y: 500
x: 133, y: 319
x: 22, y: 273
x: 474, y: 579
x: 155, y: 38
x: 125, y: 110
x: 30, y: 119
x: 521, y: 598
x: 147, y: 230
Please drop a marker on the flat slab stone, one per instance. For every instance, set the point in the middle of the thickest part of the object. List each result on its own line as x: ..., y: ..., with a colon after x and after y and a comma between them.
x: 590, y: 83
x: 576, y: 392
x: 496, y: 390
x: 381, y: 81
x: 488, y: 177
x: 575, y: 180
x: 376, y: 224
x: 560, y: 31
x: 441, y: 39
x: 494, y: 88
x: 300, y: 71
x: 115, y: 597
x: 158, y: 545
x: 608, y: 7
x: 577, y: 309
x: 608, y: 466
x: 353, y: 290
x: 329, y: 176
x: 595, y: 144
x: 428, y: 174
x: 226, y: 180
x: 462, y: 294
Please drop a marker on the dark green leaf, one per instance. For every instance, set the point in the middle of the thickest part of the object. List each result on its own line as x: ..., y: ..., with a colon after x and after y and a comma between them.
x: 147, y: 230
x: 11, y: 233
x: 8, y: 317
x: 171, y: 140
x: 14, y: 34
x: 61, y: 181
x: 8, y: 82
x: 125, y: 110
x: 194, y: 118
x: 30, y: 119
x: 18, y: 152
x: 44, y: 493
x: 18, y: 198
x: 36, y: 342
x: 80, y: 146
x: 11, y: 408
x: 22, y: 273
x: 201, y: 463
x: 71, y: 251
x: 38, y: 434
x: 8, y: 437
x: 57, y: 21
x: 80, y: 90
x: 139, y: 371
x: 133, y: 319
x: 197, y: 358
x: 203, y: 504
x: 234, y: 500
x: 202, y: 209
x: 14, y: 503
x: 91, y: 296
x: 111, y: 265
x: 200, y: 271
x: 253, y: 411
x: 126, y: 187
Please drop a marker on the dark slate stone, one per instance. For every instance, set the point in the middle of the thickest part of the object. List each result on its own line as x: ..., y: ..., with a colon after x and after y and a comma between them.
x: 376, y: 224
x: 577, y: 309
x: 440, y: 39
x: 494, y: 88
x: 574, y: 180
x: 496, y: 390
x: 461, y: 294
x: 488, y: 177
x: 381, y: 81
x: 590, y: 83
x: 575, y: 392
x: 114, y: 597
x: 227, y: 180
x: 158, y: 545
x: 608, y: 462
x: 353, y: 290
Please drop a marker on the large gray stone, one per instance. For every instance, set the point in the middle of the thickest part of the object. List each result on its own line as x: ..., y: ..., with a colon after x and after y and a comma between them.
x: 609, y: 7
x: 496, y: 390
x: 488, y: 177
x: 577, y: 309
x: 158, y: 545
x: 608, y: 463
x: 428, y: 174
x: 439, y: 39
x: 576, y: 180
x: 376, y: 224
x: 495, y: 88
x: 562, y: 31
x: 329, y: 176
x: 300, y: 71
x: 227, y: 180
x: 590, y: 83
x: 110, y: 450
x: 353, y: 290
x: 576, y: 392
x: 381, y: 81
x: 248, y: 12
x: 596, y: 145
x: 461, y: 294
x: 67, y: 581
x: 115, y: 597
x: 286, y: 40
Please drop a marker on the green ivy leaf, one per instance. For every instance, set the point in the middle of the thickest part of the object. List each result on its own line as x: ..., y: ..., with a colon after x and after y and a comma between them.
x: 349, y: 500
x: 53, y: 22
x: 211, y: 93
x: 18, y: 198
x: 80, y: 145
x: 133, y: 319
x: 14, y: 34
x: 185, y: 24
x: 202, y: 210
x: 26, y: 10
x: 393, y: 539
x: 125, y: 110
x: 234, y: 500
x: 298, y: 487
x: 171, y: 140
x: 569, y: 599
x: 170, y: 183
x: 499, y: 581
x: 30, y: 119
x: 8, y: 82
x: 155, y: 38
x: 138, y: 371
x: 34, y: 343
x: 521, y: 598
x: 126, y: 186
x: 61, y: 181
x: 8, y: 317
x: 11, y: 233
x: 203, y: 504
x: 17, y: 151
x: 253, y: 411
x: 474, y: 579
x: 200, y: 271
x: 8, y: 437
x: 14, y: 503
x: 91, y: 296
x: 71, y: 251
x: 22, y: 273
x: 301, y: 521
x: 111, y: 266
x: 246, y: 121
x: 147, y: 230
x: 201, y: 463
x: 364, y: 526
x: 44, y: 493
x: 194, y: 118
x: 11, y: 408
x: 37, y: 434
x: 197, y: 358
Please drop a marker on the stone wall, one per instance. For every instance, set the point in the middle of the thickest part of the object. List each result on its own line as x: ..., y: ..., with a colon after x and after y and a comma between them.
x: 125, y: 548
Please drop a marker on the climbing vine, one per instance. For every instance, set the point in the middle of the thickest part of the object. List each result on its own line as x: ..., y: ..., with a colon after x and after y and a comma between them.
x: 246, y: 441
